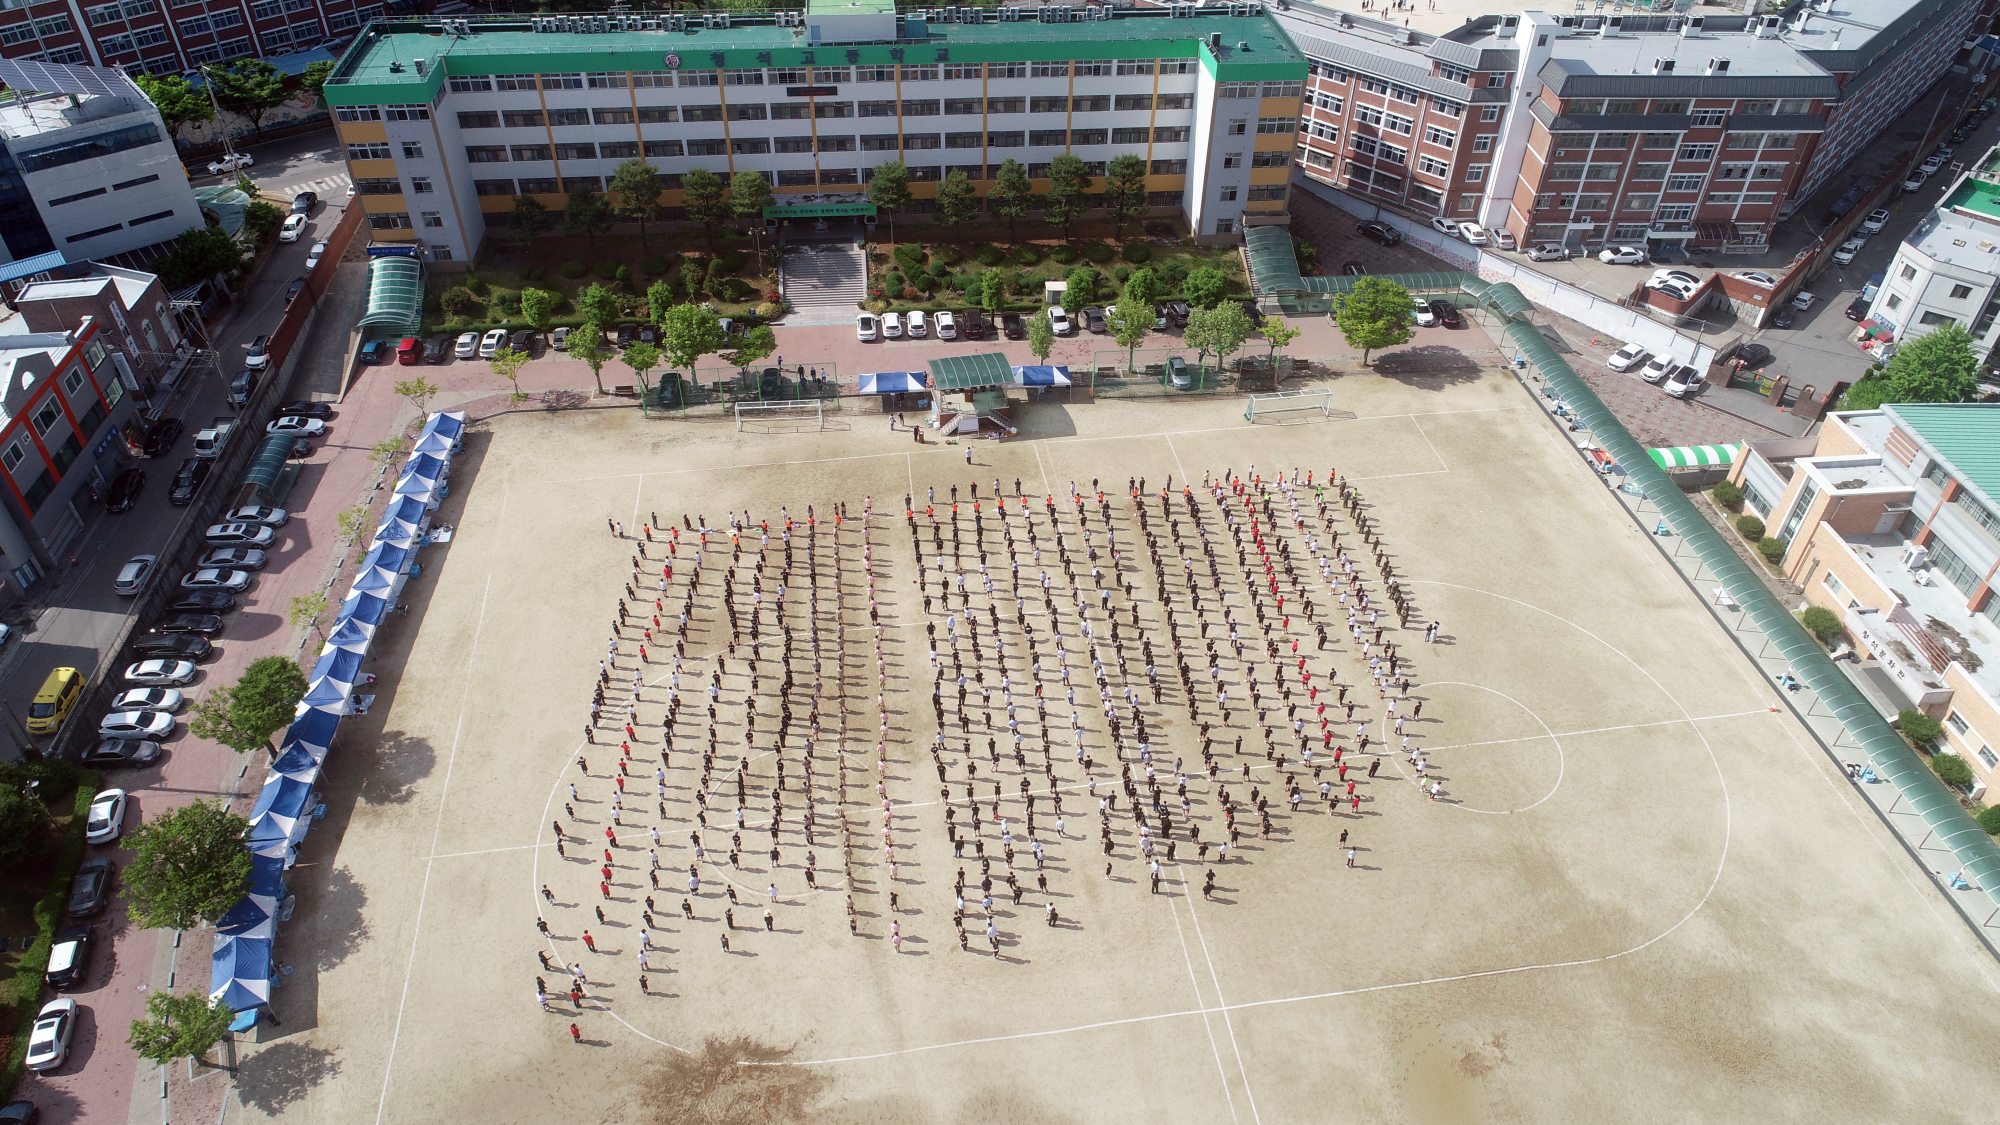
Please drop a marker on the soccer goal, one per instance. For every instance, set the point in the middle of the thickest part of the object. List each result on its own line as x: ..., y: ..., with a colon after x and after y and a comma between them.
x: 803, y: 414
x: 1280, y: 402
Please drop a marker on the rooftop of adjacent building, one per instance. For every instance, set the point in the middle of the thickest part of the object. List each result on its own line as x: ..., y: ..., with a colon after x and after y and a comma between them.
x: 36, y: 114
x: 1964, y: 230
x: 130, y: 285
x: 1966, y: 435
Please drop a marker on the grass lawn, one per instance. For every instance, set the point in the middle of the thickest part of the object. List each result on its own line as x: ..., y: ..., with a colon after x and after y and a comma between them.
x: 32, y: 902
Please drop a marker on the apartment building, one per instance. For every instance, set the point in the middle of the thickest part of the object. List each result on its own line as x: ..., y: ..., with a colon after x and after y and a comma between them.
x: 1948, y: 270
x: 443, y: 131
x: 172, y: 36
x: 86, y: 166
x: 1893, y: 521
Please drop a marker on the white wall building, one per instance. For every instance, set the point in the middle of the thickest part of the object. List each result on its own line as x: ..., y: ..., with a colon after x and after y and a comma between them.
x: 1948, y: 270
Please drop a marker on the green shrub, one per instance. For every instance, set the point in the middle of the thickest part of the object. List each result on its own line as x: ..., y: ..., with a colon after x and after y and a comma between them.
x: 1027, y: 255
x: 458, y: 301
x: 1137, y: 253
x: 1952, y: 770
x: 1821, y: 622
x: 503, y: 303
x: 572, y: 269
x: 736, y: 289
x: 475, y: 283
x: 535, y: 274
x: 989, y: 254
x: 623, y: 275
x: 656, y: 266
x: 730, y: 260
x: 1919, y: 727
x: 1749, y: 527
x: 1727, y: 495
x: 1772, y: 549
x: 57, y: 776
x: 950, y: 255
x: 1989, y: 819
x: 910, y: 257
x: 1173, y: 272
x: 1121, y: 274
x: 893, y: 282
x: 1098, y: 253
x: 1065, y: 254
x: 607, y: 269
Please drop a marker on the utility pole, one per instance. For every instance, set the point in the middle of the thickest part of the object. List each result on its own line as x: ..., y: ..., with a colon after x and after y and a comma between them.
x: 208, y: 81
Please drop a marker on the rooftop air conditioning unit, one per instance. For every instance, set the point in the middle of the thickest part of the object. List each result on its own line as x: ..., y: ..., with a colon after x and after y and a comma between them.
x: 420, y: 66
x: 1614, y: 23
x: 1916, y: 557
x: 1718, y: 66
x: 1767, y: 28
x: 1692, y: 27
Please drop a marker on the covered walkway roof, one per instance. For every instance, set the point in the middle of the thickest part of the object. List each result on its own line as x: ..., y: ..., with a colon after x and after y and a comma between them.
x: 971, y: 372
x: 395, y: 294
x: 269, y: 462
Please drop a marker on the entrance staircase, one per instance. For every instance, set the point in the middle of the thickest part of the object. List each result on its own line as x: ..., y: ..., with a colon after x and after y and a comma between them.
x: 822, y: 274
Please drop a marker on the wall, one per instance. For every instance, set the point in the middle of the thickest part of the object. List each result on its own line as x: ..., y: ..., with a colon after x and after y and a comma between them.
x: 1981, y: 715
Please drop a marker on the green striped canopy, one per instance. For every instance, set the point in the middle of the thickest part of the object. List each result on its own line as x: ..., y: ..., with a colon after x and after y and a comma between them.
x: 1695, y: 456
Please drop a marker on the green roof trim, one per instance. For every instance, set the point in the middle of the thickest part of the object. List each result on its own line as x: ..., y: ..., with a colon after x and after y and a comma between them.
x: 395, y: 295
x: 269, y: 463
x: 971, y: 372
x: 1966, y: 434
x: 1981, y: 197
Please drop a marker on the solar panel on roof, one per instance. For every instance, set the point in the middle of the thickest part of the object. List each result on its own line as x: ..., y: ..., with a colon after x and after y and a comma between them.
x: 55, y: 78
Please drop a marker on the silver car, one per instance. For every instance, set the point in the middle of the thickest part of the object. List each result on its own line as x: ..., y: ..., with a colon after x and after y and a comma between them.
x: 48, y: 1042
x: 148, y: 699
x: 212, y: 579
x: 238, y: 558
x: 240, y: 535
x: 176, y: 673
x: 136, y: 724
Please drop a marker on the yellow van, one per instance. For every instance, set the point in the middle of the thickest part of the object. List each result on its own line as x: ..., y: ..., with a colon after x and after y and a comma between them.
x: 52, y: 704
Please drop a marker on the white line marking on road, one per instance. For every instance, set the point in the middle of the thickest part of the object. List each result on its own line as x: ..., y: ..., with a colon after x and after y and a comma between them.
x: 1194, y: 983
x: 1215, y: 978
x: 1419, y: 427
x: 1597, y: 730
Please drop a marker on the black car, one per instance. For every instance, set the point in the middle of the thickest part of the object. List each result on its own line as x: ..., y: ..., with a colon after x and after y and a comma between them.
x: 204, y: 601
x: 301, y: 449
x: 648, y: 334
x: 161, y: 438
x: 303, y: 409
x: 19, y: 1113
x: 1256, y: 315
x: 1785, y: 316
x: 125, y: 490
x: 1857, y: 309
x: 293, y: 289
x: 207, y: 624
x: 1753, y: 355
x: 522, y: 341
x: 1011, y: 326
x: 91, y: 888
x: 1447, y: 314
x: 1354, y: 269
x: 121, y: 753
x: 626, y: 334
x: 69, y: 957
x: 972, y: 325
x: 1380, y: 232
x: 304, y: 202
x: 175, y: 646
x: 188, y: 480
x: 1177, y: 311
x: 437, y: 349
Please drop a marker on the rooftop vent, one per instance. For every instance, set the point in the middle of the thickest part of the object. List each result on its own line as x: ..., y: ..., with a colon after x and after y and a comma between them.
x: 1692, y: 27
x: 420, y: 66
x: 1663, y: 66
x: 1767, y: 28
x: 1718, y: 66
x: 1508, y: 25
x: 1215, y: 41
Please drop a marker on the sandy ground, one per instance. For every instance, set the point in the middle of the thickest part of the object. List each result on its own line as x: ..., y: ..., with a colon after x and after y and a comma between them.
x: 1644, y: 887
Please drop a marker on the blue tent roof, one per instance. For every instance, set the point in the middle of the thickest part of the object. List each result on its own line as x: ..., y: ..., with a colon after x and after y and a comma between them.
x: 240, y: 972
x: 364, y: 607
x: 892, y: 382
x: 267, y: 877
x: 1042, y: 376
x: 341, y: 664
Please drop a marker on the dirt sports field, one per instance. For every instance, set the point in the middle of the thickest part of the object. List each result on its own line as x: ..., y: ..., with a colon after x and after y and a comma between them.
x: 1641, y: 892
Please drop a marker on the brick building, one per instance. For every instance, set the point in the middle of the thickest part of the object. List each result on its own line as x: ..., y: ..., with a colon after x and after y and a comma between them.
x: 171, y: 36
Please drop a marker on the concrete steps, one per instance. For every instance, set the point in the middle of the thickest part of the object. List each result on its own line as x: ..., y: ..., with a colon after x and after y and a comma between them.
x: 823, y: 274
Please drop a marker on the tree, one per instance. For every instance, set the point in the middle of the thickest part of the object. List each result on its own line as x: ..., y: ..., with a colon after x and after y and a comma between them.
x: 752, y: 346
x: 1066, y: 202
x: 1821, y: 622
x: 179, y: 1027
x: 1206, y: 287
x: 1937, y: 366
x: 352, y: 523
x: 266, y: 698
x: 1375, y: 315
x: 1041, y: 336
x: 659, y: 298
x: 957, y: 201
x: 1125, y: 191
x: 188, y: 864
x: 992, y: 291
x: 418, y: 390
x: 585, y: 212
x: 1012, y: 196
x: 749, y: 194
x: 889, y: 190
x: 1143, y: 288
x: 598, y: 304
x: 24, y: 822
x: 641, y: 358
x: 531, y: 218
x: 687, y: 333
x: 1221, y: 330
x: 707, y: 201
x: 636, y: 183
x: 306, y: 609
x: 250, y: 87
x: 507, y: 364
x: 179, y: 103
x: 313, y: 78
x: 1918, y: 727
x: 586, y: 342
x: 261, y: 219
x: 1277, y: 334
x: 198, y: 255
x: 1128, y: 324
x: 538, y: 307
x: 384, y: 451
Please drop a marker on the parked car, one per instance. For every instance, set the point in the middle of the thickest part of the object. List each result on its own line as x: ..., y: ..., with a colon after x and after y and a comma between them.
x: 69, y: 957
x: 972, y: 325
x: 241, y: 558
x: 293, y: 290
x: 1685, y: 382
x: 627, y: 333
x: 176, y: 646
x: 297, y: 427
x: 239, y: 535
x: 202, y: 624
x: 437, y: 349
x: 492, y: 342
x: 1857, y: 309
x: 148, y: 699
x: 1753, y: 355
x: 1622, y: 256
x: 213, y: 579
x: 48, y: 1039
x: 866, y: 328
x: 468, y: 345
x: 1177, y: 311
x: 230, y: 163
x: 124, y: 490
x: 120, y: 753
x: 1503, y: 238
x: 1353, y: 269
x: 1847, y: 250
x: 374, y: 352
x: 304, y: 408
x: 1255, y: 314
x: 1931, y: 164
x: 523, y: 341
x: 313, y: 255
x: 240, y: 386
x: 1627, y: 357
x: 187, y: 481
x: 1380, y: 232
x: 1445, y: 226
x: 409, y: 351
x: 1680, y: 278
x: 1548, y: 252
x: 1473, y: 233
x: 1657, y: 368
x: 947, y: 325
x: 134, y: 573
x: 175, y: 672
x: 1422, y: 312
x: 1916, y: 180
x: 559, y: 339
x: 1447, y: 314
x: 1012, y: 327
x: 135, y: 724
x: 91, y: 889
x: 292, y: 228
x: 892, y: 326
x: 1784, y: 317
x: 258, y: 513
x: 1177, y: 374
x: 1675, y: 289
x: 1059, y: 321
x: 304, y: 202
x: 1876, y: 220
x: 1803, y: 300
x: 918, y: 325
x: 259, y: 356
x: 1160, y: 321
x: 1755, y: 278
x: 161, y: 438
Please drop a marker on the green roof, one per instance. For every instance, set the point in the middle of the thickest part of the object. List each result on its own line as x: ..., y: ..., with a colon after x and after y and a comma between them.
x: 1274, y: 265
x: 1965, y: 434
x: 1981, y: 197
x: 269, y: 463
x: 395, y: 295
x: 971, y: 372
x: 381, y: 69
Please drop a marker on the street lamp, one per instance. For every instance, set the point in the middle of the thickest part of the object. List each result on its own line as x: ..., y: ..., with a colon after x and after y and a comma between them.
x: 228, y: 151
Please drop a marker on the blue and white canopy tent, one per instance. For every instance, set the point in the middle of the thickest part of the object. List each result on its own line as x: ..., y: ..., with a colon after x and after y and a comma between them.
x: 894, y: 383
x: 1041, y: 376
x: 240, y: 972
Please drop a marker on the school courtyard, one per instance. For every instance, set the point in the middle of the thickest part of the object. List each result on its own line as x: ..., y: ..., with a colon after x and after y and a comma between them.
x: 1642, y: 889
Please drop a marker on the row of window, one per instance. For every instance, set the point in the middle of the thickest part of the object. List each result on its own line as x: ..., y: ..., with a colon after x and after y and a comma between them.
x: 1233, y: 90
x: 112, y: 13
x: 794, y: 111
x: 806, y: 177
x: 97, y: 191
x: 1253, y: 193
x: 1703, y: 118
x: 819, y: 75
x: 104, y: 230
x: 1401, y: 93
x: 1570, y: 142
x: 751, y: 146
x: 400, y: 220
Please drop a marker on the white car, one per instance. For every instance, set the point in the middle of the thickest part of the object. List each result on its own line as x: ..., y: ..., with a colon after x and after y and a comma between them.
x: 107, y: 816
x: 230, y: 163
x: 295, y: 225
x: 1503, y: 238
x: 1059, y: 321
x: 133, y: 574
x: 213, y: 579
x: 242, y: 558
x: 148, y: 699
x: 240, y: 535
x: 492, y: 342
x: 313, y: 255
x: 1685, y: 382
x: 1679, y: 291
x: 1804, y: 300
x: 1622, y: 256
x: 1657, y: 368
x: 1473, y: 233
x: 48, y: 1043
x: 892, y: 326
x: 1932, y: 164
x: 1848, y: 250
x: 947, y: 326
x: 1421, y: 309
x: 918, y: 326
x: 1681, y: 278
x: 259, y: 513
x: 136, y: 724
x: 1548, y: 252
x: 867, y: 328
x: 1876, y: 220
x: 297, y: 427
x: 1916, y: 180
x: 1627, y: 357
x: 176, y: 672
x: 467, y: 346
x: 1445, y: 226
x: 1755, y: 278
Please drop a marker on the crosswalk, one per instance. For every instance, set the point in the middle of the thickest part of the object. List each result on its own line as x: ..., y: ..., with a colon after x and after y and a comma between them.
x: 329, y: 188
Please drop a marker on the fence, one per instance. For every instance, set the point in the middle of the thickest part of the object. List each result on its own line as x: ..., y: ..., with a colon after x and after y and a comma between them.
x: 713, y: 392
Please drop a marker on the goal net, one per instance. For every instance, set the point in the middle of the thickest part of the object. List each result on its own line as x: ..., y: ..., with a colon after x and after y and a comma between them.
x: 803, y: 415
x: 1281, y: 402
